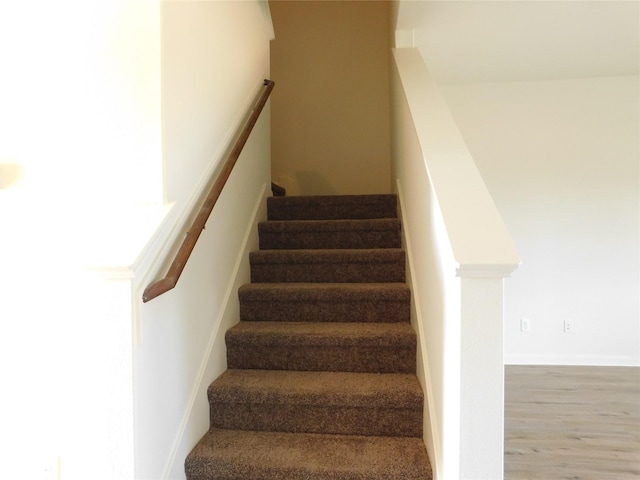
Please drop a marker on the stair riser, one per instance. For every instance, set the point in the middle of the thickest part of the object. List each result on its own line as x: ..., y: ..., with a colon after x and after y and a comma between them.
x: 233, y: 470
x: 329, y: 240
x: 325, y: 311
x: 328, y: 272
x: 340, y: 420
x: 337, y: 213
x: 322, y: 358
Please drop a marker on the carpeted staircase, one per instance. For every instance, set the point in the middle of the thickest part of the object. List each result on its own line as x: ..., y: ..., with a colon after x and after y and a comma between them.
x: 321, y: 378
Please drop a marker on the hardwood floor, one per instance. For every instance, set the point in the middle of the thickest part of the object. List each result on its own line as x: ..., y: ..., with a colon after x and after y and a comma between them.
x: 572, y: 423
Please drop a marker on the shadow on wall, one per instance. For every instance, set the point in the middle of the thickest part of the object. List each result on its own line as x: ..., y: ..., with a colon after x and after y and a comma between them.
x: 306, y: 183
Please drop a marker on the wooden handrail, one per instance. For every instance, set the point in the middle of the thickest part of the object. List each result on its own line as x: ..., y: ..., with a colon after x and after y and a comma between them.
x: 170, y: 280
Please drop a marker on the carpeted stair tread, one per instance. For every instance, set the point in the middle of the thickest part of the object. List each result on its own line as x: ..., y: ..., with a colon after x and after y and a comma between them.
x: 322, y: 334
x: 345, y: 225
x: 325, y: 302
x: 328, y: 256
x: 273, y: 387
x: 320, y: 381
x: 338, y: 207
x: 378, y: 404
x: 328, y: 265
x: 325, y: 291
x: 243, y: 455
x: 305, y: 234
x: 350, y: 347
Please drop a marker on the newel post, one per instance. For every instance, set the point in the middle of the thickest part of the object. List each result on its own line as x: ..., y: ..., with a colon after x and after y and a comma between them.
x: 482, y: 372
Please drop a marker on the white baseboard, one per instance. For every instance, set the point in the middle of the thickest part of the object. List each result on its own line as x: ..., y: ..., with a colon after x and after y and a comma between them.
x: 577, y: 360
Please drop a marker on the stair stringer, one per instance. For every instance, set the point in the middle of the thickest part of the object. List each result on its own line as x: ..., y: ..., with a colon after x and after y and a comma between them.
x: 195, y: 419
x: 430, y: 435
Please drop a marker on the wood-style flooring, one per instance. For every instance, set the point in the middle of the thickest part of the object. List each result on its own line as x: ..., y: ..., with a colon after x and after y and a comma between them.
x: 572, y: 423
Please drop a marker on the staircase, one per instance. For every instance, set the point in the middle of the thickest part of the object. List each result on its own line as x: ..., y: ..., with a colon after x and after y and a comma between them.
x: 321, y: 368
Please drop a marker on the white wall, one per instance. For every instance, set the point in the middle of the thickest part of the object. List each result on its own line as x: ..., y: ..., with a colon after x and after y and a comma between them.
x: 215, y: 56
x: 80, y: 98
x: 213, y: 53
x: 561, y: 159
x: 80, y: 118
x: 82, y: 94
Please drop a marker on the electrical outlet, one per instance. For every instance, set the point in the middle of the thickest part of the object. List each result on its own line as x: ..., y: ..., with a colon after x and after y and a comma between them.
x: 51, y: 469
x: 525, y: 325
x: 568, y: 326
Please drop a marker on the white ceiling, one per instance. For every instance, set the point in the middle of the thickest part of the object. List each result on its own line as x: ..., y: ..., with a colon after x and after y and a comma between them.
x: 511, y: 40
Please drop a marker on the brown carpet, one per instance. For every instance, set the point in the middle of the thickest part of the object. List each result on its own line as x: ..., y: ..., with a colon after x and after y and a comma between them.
x: 321, y: 382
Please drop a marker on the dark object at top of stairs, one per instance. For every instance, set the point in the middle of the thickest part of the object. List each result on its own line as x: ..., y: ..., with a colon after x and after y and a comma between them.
x: 277, y: 190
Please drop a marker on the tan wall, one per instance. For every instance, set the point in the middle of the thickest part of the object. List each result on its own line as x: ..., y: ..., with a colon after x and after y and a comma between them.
x: 330, y: 107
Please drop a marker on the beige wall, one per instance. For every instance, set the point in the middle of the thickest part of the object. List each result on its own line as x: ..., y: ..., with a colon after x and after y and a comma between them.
x: 330, y: 110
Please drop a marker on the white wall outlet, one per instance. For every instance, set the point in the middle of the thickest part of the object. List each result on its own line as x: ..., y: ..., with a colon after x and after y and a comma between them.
x: 51, y: 470
x: 568, y: 326
x: 525, y: 325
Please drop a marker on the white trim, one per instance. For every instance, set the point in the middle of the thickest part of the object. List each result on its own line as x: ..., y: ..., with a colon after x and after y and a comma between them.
x: 575, y: 360
x: 486, y: 271
x: 112, y: 273
x: 231, y: 288
x: 433, y: 421
x: 144, y: 226
x: 152, y: 251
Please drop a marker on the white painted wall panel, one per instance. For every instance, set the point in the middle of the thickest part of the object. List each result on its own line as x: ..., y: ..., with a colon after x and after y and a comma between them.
x: 561, y: 159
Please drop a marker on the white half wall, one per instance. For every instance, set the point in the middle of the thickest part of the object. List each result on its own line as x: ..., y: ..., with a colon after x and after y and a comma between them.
x: 561, y: 159
x: 459, y: 251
